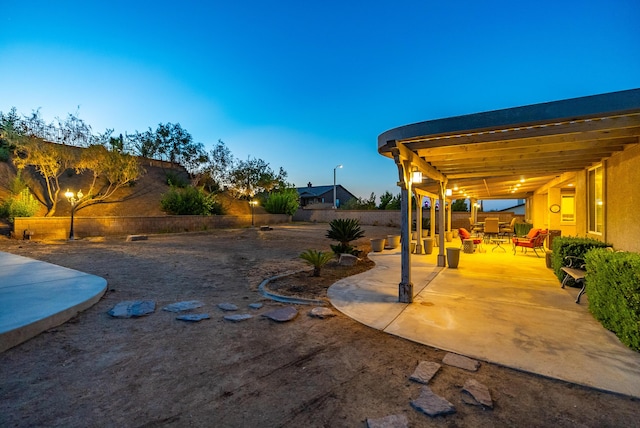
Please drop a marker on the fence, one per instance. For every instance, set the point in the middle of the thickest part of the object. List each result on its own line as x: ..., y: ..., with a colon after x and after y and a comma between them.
x: 58, y: 227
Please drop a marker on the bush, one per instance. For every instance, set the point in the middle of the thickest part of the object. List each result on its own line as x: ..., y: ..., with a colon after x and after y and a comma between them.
x: 4, y: 153
x: 283, y: 202
x: 570, y: 246
x: 613, y: 287
x: 317, y: 259
x: 190, y: 201
x: 344, y: 230
x: 21, y: 205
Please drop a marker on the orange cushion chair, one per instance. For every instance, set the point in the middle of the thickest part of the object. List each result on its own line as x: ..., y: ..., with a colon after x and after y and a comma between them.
x: 534, y: 240
x: 464, y: 234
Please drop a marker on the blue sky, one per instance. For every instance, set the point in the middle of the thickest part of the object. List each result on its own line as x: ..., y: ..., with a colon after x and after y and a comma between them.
x: 308, y: 85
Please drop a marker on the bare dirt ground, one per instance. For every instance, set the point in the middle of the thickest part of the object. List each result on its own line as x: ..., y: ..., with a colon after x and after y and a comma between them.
x: 157, y: 371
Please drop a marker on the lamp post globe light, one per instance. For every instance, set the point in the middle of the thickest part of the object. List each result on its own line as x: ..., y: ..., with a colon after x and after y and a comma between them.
x: 334, y: 186
x: 73, y: 200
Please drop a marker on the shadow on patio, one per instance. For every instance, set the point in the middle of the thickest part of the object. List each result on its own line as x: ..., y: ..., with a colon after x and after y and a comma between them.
x: 497, y: 307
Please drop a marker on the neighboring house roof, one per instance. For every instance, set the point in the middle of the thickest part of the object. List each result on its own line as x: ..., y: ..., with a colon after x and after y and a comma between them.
x: 318, y: 191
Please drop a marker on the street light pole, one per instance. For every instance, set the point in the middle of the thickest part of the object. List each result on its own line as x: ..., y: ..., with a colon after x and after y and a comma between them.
x: 73, y: 200
x: 334, y: 186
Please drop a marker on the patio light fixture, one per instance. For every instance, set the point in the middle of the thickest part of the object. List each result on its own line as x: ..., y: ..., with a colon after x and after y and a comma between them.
x: 416, y: 176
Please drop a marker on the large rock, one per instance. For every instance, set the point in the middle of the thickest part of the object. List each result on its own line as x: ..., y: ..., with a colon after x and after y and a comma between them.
x: 425, y: 371
x: 391, y: 421
x: 460, y: 361
x: 283, y: 314
x: 479, y: 392
x: 183, y: 306
x: 347, y: 260
x: 432, y: 404
x: 133, y: 309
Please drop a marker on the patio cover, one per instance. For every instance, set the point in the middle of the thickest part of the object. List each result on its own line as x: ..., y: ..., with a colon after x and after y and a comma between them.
x: 509, y: 153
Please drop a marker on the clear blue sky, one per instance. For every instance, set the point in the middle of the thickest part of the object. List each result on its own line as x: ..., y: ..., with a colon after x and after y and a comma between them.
x: 307, y: 85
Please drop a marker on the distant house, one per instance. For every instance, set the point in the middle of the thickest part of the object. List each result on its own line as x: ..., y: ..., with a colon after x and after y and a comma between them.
x: 322, y: 196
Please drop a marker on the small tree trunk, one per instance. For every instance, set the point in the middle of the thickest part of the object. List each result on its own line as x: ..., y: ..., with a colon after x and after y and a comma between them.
x: 316, y: 271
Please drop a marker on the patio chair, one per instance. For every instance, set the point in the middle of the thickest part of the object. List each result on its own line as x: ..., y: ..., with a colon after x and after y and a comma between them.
x: 491, y: 227
x: 534, y: 240
x: 508, y: 230
x: 473, y: 227
x: 464, y: 234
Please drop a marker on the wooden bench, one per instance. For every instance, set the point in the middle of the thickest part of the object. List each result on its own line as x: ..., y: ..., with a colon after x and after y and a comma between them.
x: 575, y: 270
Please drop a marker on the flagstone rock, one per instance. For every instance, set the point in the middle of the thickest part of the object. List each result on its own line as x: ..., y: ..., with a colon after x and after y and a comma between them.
x: 283, y: 314
x: 133, y: 309
x: 227, y: 306
x: 237, y: 317
x: 193, y: 317
x: 425, y: 371
x: 131, y: 238
x: 183, y: 306
x: 479, y: 392
x: 255, y: 305
x: 461, y: 362
x: 322, y: 313
x: 432, y: 404
x: 391, y: 421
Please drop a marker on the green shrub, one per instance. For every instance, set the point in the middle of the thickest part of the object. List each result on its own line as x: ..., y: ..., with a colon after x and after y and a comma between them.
x: 564, y: 246
x: 613, y: 287
x: 317, y: 259
x: 190, y: 201
x: 4, y: 153
x: 344, y: 230
x: 283, y: 202
x: 20, y: 205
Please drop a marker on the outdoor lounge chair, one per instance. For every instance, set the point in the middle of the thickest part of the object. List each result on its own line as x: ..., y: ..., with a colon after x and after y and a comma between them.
x: 464, y: 234
x: 508, y: 230
x: 534, y: 240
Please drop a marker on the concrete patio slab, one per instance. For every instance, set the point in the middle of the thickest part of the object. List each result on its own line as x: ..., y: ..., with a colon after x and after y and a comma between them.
x: 497, y: 307
x: 37, y: 296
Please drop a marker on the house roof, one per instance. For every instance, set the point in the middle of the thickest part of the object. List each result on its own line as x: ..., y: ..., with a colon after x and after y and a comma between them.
x: 511, y: 153
x: 316, y: 191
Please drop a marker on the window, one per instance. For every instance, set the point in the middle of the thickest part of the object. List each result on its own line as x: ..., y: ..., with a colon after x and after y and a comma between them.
x: 568, y: 209
x: 596, y: 200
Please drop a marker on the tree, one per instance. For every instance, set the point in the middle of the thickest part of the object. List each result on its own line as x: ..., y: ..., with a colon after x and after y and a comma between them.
x: 389, y: 202
x: 217, y: 173
x: 360, y: 204
x: 459, y: 205
x: 247, y: 178
x: 284, y: 201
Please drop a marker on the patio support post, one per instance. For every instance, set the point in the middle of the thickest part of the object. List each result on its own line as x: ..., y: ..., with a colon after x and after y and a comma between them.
x: 442, y: 258
x: 418, y: 223
x: 432, y: 217
x: 405, y: 288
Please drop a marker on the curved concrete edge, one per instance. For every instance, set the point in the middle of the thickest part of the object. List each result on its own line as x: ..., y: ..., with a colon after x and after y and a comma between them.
x: 286, y: 299
x: 37, y: 296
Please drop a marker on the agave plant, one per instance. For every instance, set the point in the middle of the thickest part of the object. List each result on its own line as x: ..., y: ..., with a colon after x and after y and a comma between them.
x: 317, y: 259
x: 344, y: 230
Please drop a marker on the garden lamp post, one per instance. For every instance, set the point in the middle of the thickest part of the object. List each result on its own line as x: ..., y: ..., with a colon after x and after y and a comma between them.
x: 253, y: 204
x: 334, y: 186
x: 73, y: 200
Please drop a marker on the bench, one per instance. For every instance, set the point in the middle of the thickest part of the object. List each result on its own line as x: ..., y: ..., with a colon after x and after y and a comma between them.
x: 575, y: 270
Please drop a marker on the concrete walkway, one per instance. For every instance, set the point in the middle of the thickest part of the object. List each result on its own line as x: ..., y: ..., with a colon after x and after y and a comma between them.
x: 36, y: 296
x: 497, y: 307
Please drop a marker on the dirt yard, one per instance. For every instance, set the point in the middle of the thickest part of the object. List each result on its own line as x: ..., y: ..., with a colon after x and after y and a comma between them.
x: 157, y: 371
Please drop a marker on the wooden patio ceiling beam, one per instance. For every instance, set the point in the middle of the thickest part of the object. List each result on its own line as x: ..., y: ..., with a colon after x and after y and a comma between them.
x: 427, y: 169
x: 560, y: 159
x: 506, y: 173
x: 616, y: 144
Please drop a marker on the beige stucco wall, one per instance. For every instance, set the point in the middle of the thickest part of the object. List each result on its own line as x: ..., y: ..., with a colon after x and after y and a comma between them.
x: 622, y: 200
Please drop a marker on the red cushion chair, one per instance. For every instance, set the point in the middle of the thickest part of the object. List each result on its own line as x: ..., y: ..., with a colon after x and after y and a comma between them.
x: 464, y: 234
x: 536, y: 242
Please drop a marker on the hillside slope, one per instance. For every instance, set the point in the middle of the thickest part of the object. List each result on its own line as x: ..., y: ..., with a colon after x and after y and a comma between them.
x: 141, y: 199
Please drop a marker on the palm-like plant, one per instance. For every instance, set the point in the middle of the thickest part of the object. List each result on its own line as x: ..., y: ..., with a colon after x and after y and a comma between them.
x: 317, y: 259
x: 344, y: 230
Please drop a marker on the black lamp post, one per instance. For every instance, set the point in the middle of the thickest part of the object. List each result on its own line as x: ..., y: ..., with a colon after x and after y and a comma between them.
x: 73, y: 200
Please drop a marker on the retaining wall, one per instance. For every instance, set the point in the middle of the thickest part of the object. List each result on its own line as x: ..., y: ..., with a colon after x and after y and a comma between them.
x: 58, y: 227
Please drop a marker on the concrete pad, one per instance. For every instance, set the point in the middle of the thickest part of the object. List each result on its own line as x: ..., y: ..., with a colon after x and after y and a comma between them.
x: 497, y: 307
x: 37, y: 296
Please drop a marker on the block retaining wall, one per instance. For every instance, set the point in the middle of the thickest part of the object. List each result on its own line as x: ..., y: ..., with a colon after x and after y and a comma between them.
x: 58, y: 227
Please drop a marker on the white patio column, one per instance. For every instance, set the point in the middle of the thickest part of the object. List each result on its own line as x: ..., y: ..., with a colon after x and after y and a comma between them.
x: 418, y: 223
x: 442, y: 258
